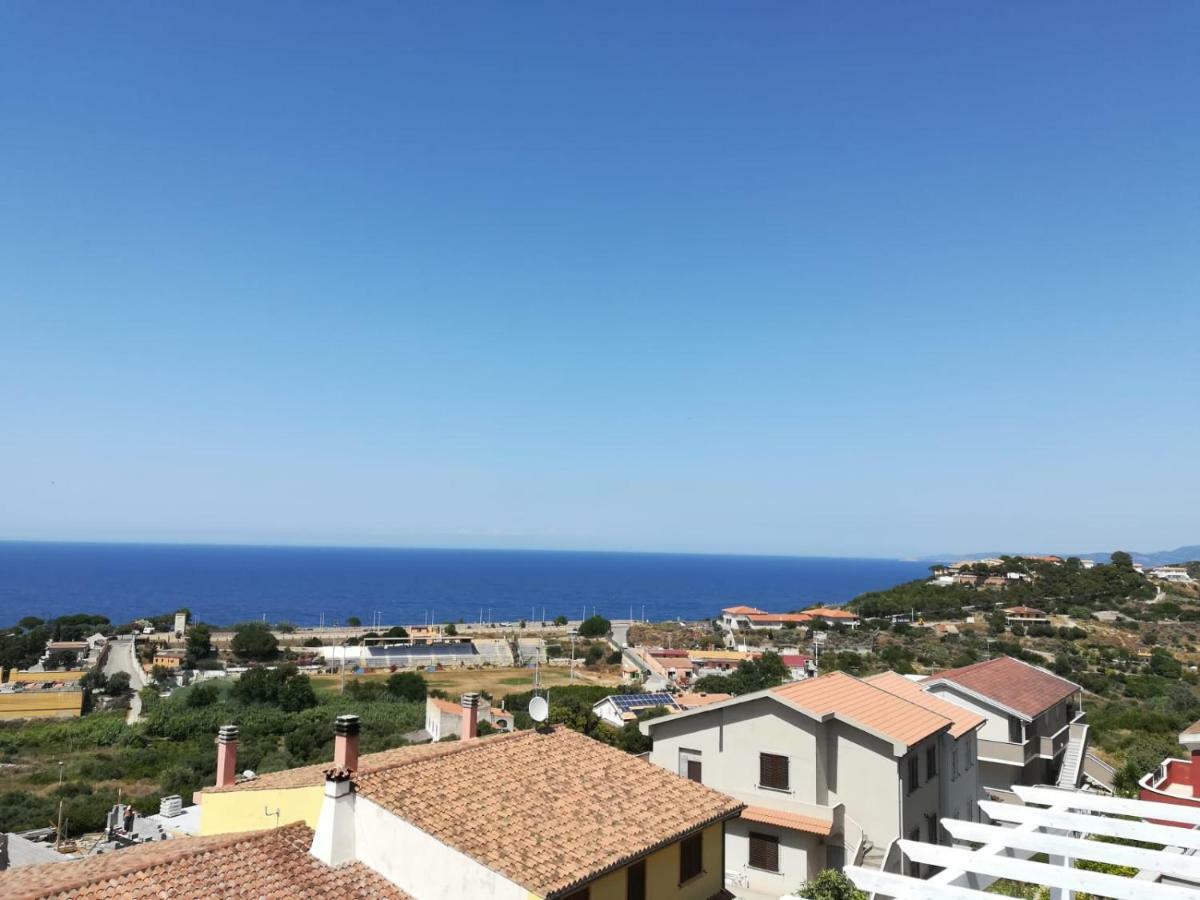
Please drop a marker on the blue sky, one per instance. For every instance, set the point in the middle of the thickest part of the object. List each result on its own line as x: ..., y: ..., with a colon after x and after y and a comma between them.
x: 814, y: 278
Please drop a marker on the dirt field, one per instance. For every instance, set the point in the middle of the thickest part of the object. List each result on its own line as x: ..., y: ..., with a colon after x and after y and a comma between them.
x: 497, y: 682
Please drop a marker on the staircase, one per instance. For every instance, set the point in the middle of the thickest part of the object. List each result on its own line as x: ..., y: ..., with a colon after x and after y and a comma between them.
x: 1068, y: 775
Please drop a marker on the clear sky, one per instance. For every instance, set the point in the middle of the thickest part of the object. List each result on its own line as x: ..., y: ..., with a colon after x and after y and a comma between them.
x: 815, y: 278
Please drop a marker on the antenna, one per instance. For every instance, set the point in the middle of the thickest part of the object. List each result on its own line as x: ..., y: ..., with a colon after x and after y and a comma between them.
x: 539, y: 709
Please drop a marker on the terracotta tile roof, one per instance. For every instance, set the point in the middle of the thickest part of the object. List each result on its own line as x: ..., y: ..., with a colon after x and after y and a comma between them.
x: 741, y: 610
x: 793, y: 660
x: 262, y: 864
x: 308, y: 776
x: 779, y: 617
x: 453, y: 708
x: 694, y: 700
x: 860, y: 703
x: 964, y: 720
x: 1194, y: 728
x: 795, y: 821
x: 721, y: 655
x: 829, y: 613
x: 560, y: 808
x: 1024, y: 611
x: 1026, y: 689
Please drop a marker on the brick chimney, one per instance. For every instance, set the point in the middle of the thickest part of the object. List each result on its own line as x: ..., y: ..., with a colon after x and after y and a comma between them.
x: 345, y: 743
x: 470, y: 720
x: 227, y: 741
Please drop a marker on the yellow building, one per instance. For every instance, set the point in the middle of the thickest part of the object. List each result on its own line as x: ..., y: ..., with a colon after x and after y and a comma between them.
x: 41, y: 677
x: 169, y: 659
x: 47, y: 703
x: 542, y: 815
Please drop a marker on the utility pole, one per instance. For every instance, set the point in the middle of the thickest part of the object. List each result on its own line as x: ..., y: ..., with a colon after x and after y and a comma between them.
x: 58, y: 828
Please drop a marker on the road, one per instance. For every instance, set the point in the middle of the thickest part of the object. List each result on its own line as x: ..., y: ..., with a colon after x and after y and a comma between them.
x: 122, y: 657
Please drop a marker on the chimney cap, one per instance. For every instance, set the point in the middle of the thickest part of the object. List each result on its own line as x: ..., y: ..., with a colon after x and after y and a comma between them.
x: 470, y: 700
x: 347, y: 725
x: 227, y: 734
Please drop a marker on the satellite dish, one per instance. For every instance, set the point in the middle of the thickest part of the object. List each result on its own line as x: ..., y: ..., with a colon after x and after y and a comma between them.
x: 539, y: 709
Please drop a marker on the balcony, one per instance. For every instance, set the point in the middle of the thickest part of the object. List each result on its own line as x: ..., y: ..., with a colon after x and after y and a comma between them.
x: 1050, y: 746
x: 1172, y: 779
x: 1006, y: 752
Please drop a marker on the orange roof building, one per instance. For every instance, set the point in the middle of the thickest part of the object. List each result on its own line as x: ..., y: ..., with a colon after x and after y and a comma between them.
x: 827, y: 767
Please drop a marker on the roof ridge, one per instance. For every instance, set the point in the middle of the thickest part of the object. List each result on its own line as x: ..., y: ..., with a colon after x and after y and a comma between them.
x: 453, y: 748
x: 898, y: 697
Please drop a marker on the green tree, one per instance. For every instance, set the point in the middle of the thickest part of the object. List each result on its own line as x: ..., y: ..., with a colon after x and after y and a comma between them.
x: 353, y: 621
x: 1125, y: 781
x: 254, y: 641
x: 831, y: 885
x: 396, y: 631
x: 199, y: 644
x: 1121, y: 559
x: 407, y: 686
x: 595, y: 627
x: 296, y: 694
x: 118, y: 684
x: 450, y: 630
x: 560, y: 620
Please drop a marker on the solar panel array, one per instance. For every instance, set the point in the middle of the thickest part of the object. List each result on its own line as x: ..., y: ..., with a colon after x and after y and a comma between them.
x: 631, y: 702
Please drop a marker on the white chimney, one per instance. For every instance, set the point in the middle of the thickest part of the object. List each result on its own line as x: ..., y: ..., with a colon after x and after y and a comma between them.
x: 333, y: 842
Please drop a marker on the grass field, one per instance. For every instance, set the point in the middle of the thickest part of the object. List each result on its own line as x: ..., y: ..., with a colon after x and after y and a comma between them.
x: 497, y: 682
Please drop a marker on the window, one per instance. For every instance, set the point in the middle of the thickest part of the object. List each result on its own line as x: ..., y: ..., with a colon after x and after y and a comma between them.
x: 581, y: 894
x: 773, y: 771
x: 764, y: 851
x: 931, y: 826
x: 914, y: 773
x: 691, y: 857
x: 635, y: 881
x: 689, y: 764
x: 954, y: 764
x: 1014, y: 731
x: 931, y: 763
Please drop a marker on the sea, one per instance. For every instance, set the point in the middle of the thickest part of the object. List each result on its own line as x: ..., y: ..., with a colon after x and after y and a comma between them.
x: 223, y: 585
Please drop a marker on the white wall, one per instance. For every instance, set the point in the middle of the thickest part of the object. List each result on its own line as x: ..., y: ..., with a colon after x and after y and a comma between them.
x: 801, y: 857
x: 422, y: 865
x: 995, y: 728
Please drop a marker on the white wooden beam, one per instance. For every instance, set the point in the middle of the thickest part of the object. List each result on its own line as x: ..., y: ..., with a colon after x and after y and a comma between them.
x: 1177, y: 865
x: 1064, y: 877
x: 1168, y: 835
x: 903, y: 887
x: 1116, y: 806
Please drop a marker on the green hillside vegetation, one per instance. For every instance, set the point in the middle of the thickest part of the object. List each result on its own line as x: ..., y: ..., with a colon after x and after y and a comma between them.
x: 1064, y: 588
x: 283, y: 723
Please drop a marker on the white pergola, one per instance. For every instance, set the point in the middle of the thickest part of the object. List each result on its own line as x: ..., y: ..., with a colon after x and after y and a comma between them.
x: 1059, y: 823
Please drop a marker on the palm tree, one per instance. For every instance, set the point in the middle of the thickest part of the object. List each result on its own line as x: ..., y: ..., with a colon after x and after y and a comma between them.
x: 1125, y: 781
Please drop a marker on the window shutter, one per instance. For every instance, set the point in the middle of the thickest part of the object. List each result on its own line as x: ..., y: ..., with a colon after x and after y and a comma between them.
x: 773, y: 771
x: 764, y: 851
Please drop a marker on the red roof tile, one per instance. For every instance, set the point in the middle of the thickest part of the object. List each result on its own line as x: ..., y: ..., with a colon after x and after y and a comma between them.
x: 1019, y: 686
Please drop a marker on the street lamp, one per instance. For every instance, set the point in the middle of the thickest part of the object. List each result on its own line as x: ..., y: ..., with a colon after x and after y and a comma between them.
x: 60, y: 772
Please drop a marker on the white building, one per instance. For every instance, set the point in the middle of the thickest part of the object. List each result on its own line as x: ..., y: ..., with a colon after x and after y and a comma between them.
x: 617, y: 709
x: 832, y: 770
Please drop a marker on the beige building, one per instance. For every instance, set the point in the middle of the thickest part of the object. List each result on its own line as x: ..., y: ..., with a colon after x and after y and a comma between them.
x: 832, y: 770
x: 1034, y: 730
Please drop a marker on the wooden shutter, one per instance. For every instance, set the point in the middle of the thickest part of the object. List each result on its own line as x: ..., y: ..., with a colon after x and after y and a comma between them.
x: 773, y: 771
x: 691, y: 857
x: 635, y: 881
x: 764, y: 851
x: 693, y: 770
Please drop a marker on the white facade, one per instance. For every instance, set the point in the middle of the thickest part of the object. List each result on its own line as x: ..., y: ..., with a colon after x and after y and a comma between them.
x: 420, y: 864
